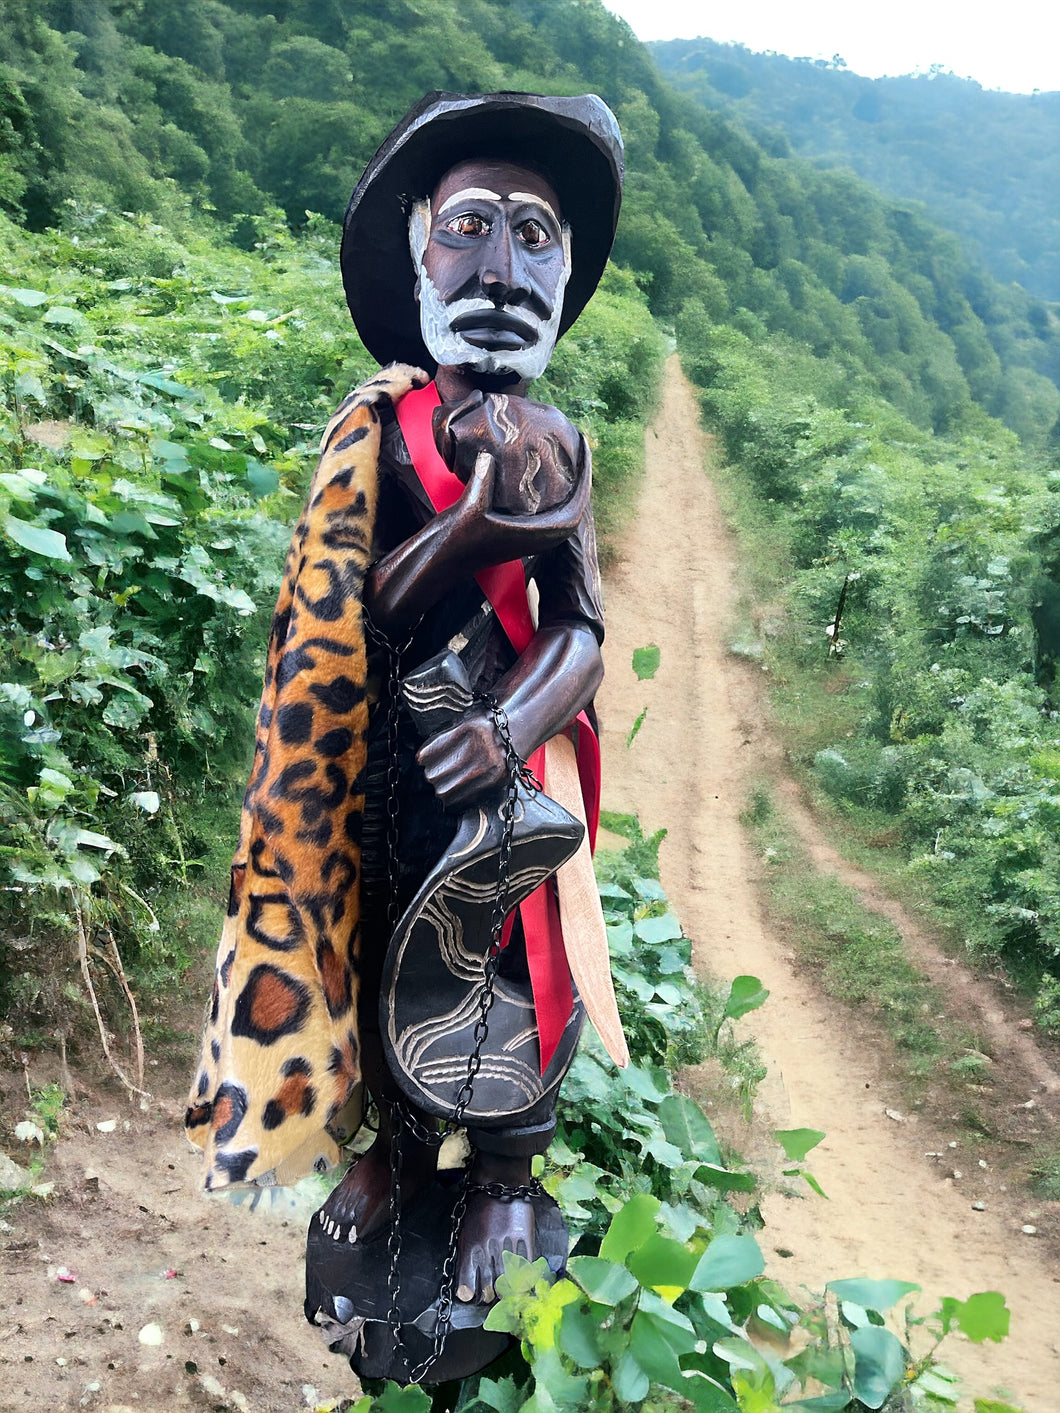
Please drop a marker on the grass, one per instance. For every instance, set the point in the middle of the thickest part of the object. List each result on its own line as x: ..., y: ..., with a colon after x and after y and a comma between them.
x: 858, y: 957
x: 1045, y: 1170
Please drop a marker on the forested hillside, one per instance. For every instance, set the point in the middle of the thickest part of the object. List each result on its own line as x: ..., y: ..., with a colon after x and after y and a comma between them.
x: 173, y: 337
x: 985, y: 164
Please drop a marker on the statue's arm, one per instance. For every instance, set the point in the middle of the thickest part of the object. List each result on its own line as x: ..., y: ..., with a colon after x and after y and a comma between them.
x: 555, y: 677
x: 460, y: 541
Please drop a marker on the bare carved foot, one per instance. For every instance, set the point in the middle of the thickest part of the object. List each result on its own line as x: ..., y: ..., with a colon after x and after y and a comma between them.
x: 493, y: 1225
x: 360, y: 1205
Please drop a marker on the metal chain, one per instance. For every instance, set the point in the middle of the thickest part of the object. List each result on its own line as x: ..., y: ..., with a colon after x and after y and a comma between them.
x: 401, y: 1116
x: 504, y: 1192
x: 393, y: 1245
x: 393, y: 655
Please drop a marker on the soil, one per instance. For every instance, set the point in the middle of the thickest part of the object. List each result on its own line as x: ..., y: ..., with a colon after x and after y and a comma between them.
x: 896, y: 1206
x: 222, y: 1285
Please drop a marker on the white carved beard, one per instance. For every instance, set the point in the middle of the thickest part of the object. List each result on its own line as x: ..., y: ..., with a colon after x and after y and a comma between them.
x: 449, y: 348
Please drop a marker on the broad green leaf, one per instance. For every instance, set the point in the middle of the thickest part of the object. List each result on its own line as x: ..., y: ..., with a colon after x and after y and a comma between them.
x: 393, y: 1399
x: 682, y: 1221
x: 663, y: 1263
x: 18, y: 486
x: 629, y: 1379
x: 740, y: 1353
x: 620, y: 938
x: 630, y: 1227
x: 707, y: 1395
x: 674, y: 957
x: 646, y: 662
x: 173, y: 454
x: 92, y: 839
x: 261, y: 480
x: 521, y: 1276
x: 30, y: 298
x: 578, y: 1338
x: 666, y: 1154
x: 822, y: 1403
x: 688, y: 1128
x: 167, y: 385
x: 562, y: 1389
x: 873, y: 1295
x: 676, y: 1328
x: 650, y: 1085
x: 128, y: 710
x: 654, y: 930
x: 653, y: 1352
x: 62, y: 314
x: 991, y: 1405
x: 725, y: 1180
x: 49, y: 544
x: 797, y: 1142
x: 728, y: 1261
x: 856, y: 1315
x: 745, y: 994
x: 879, y: 1364
x: 545, y: 1311
x: 605, y: 1282
x: 982, y: 1316
x: 715, y: 1310
x: 939, y: 1384
x: 28, y: 385
x: 501, y: 1395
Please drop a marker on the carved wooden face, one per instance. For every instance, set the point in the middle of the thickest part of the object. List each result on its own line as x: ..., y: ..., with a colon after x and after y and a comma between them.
x: 493, y: 258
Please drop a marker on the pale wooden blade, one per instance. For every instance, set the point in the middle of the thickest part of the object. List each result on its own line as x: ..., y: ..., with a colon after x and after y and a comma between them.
x: 584, y: 933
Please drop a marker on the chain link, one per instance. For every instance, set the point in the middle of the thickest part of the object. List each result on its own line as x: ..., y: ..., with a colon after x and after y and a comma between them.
x: 504, y: 1192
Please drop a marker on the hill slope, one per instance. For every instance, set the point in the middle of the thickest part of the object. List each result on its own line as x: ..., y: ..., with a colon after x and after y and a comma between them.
x: 233, y: 106
x: 985, y: 164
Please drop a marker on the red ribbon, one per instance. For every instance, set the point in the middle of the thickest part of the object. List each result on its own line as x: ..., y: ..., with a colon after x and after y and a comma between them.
x: 505, y: 587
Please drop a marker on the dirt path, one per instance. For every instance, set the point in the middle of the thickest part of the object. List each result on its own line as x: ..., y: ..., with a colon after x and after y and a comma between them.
x: 221, y: 1286
x: 892, y: 1211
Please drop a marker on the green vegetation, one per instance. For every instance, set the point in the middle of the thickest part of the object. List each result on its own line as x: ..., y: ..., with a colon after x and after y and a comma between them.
x: 983, y: 163
x: 856, y: 955
x: 665, y: 1303
x: 931, y: 713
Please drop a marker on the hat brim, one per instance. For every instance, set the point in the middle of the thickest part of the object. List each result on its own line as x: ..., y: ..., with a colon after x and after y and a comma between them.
x: 574, y: 142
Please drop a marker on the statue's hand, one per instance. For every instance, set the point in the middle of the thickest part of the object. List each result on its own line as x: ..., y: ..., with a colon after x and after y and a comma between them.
x: 466, y: 761
x: 532, y: 491
x: 527, y: 471
x: 536, y: 450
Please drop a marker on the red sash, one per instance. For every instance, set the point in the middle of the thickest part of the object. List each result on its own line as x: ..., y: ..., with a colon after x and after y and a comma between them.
x: 505, y: 587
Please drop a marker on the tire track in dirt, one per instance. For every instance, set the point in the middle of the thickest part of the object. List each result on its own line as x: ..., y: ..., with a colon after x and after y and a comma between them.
x: 891, y: 1211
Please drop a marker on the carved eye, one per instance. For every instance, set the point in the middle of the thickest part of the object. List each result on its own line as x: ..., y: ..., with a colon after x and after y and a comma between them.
x: 468, y: 223
x: 533, y: 234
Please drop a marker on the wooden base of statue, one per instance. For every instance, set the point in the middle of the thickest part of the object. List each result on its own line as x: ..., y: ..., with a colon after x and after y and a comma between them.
x: 348, y: 1292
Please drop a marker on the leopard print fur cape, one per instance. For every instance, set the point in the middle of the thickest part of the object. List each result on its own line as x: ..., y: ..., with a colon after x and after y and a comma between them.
x: 279, y: 1058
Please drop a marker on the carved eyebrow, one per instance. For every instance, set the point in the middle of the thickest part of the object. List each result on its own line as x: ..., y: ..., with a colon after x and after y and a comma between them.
x: 482, y: 193
x: 470, y: 193
x: 537, y: 201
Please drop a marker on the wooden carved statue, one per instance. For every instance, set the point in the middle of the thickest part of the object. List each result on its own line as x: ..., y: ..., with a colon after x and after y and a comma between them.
x: 411, y: 910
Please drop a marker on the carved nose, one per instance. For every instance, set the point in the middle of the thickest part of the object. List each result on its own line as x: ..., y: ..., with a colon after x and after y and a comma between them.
x: 502, y: 277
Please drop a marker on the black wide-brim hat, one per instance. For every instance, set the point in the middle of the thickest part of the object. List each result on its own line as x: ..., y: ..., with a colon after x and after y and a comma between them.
x: 574, y: 142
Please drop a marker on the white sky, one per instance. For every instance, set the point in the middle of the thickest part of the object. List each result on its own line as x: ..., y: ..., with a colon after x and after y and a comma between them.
x: 1008, y: 44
